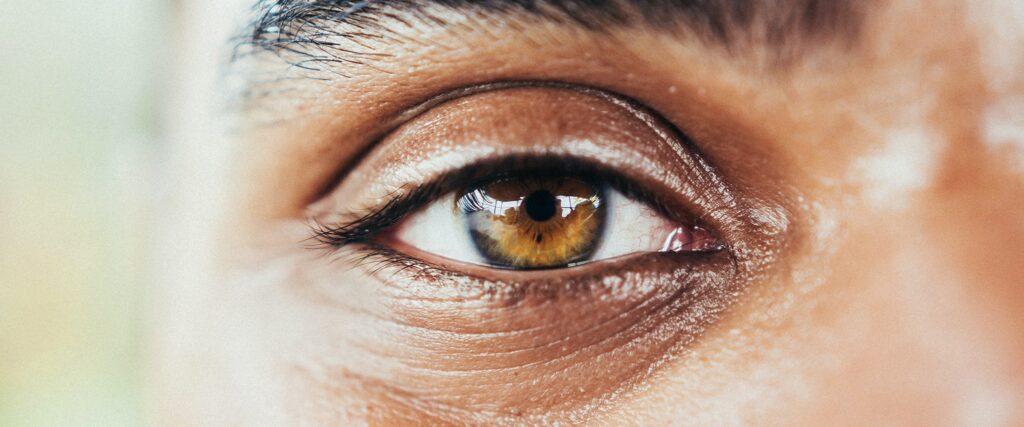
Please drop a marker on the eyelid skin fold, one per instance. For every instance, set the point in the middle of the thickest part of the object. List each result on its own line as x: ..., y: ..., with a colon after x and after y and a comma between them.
x: 526, y: 119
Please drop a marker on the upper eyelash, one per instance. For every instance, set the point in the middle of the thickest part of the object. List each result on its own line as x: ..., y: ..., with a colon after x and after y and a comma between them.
x: 372, y: 221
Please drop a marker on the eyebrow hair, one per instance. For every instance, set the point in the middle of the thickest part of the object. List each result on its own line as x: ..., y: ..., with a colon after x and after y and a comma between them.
x: 310, y: 31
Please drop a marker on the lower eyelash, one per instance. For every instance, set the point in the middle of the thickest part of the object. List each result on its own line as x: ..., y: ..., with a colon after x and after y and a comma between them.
x: 374, y: 259
x: 395, y: 270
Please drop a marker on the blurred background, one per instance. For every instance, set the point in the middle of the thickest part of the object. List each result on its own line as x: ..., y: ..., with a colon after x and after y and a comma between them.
x: 80, y: 101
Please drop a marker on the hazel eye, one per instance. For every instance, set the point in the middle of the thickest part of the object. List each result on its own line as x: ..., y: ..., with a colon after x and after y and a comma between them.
x: 535, y: 221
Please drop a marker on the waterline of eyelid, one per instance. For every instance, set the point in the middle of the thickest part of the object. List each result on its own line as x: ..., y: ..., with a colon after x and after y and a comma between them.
x: 441, y: 229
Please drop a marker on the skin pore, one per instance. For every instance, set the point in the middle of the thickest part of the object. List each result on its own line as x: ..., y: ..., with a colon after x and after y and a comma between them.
x: 865, y: 177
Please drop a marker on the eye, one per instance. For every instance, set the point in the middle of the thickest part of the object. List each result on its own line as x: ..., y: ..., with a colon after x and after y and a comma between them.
x: 540, y: 220
x: 515, y: 240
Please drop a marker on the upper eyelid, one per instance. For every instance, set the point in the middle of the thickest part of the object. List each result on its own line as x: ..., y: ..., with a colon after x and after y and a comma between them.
x: 409, y: 114
x: 420, y: 107
x: 673, y: 137
x: 700, y: 172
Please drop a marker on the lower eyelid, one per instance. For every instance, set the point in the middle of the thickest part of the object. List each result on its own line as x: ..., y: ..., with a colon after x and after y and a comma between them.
x: 411, y: 276
x: 470, y: 333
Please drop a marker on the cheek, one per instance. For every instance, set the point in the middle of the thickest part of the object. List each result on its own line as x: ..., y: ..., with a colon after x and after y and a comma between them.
x: 305, y: 338
x: 437, y: 348
x: 909, y: 315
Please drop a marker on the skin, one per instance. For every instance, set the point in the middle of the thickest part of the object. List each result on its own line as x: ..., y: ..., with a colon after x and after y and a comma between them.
x: 880, y: 284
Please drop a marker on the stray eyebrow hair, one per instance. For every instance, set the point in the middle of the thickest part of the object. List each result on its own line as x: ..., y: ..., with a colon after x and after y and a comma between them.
x: 309, y: 31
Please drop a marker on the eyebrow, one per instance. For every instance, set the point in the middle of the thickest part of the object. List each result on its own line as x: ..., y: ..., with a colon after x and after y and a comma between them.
x: 313, y: 32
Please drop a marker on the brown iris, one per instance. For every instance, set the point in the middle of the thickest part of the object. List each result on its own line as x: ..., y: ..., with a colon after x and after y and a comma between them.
x: 534, y: 222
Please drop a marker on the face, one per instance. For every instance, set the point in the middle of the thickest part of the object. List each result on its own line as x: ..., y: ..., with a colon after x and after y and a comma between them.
x: 643, y: 213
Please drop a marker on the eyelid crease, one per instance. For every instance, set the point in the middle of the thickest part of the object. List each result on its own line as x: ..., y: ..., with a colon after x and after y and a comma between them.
x: 653, y: 120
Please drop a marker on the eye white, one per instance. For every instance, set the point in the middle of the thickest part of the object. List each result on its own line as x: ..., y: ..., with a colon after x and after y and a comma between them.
x: 440, y: 229
x: 630, y: 227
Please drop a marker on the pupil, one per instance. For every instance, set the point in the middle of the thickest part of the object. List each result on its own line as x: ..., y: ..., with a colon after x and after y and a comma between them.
x: 540, y: 205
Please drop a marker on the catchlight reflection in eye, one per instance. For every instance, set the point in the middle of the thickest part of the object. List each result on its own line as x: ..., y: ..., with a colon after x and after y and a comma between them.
x: 530, y: 222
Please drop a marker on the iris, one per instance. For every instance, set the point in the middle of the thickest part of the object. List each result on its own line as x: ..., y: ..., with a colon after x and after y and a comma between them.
x: 534, y: 222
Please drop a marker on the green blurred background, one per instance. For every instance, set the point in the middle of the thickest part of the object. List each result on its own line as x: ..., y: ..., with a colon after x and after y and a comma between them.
x: 80, y: 91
